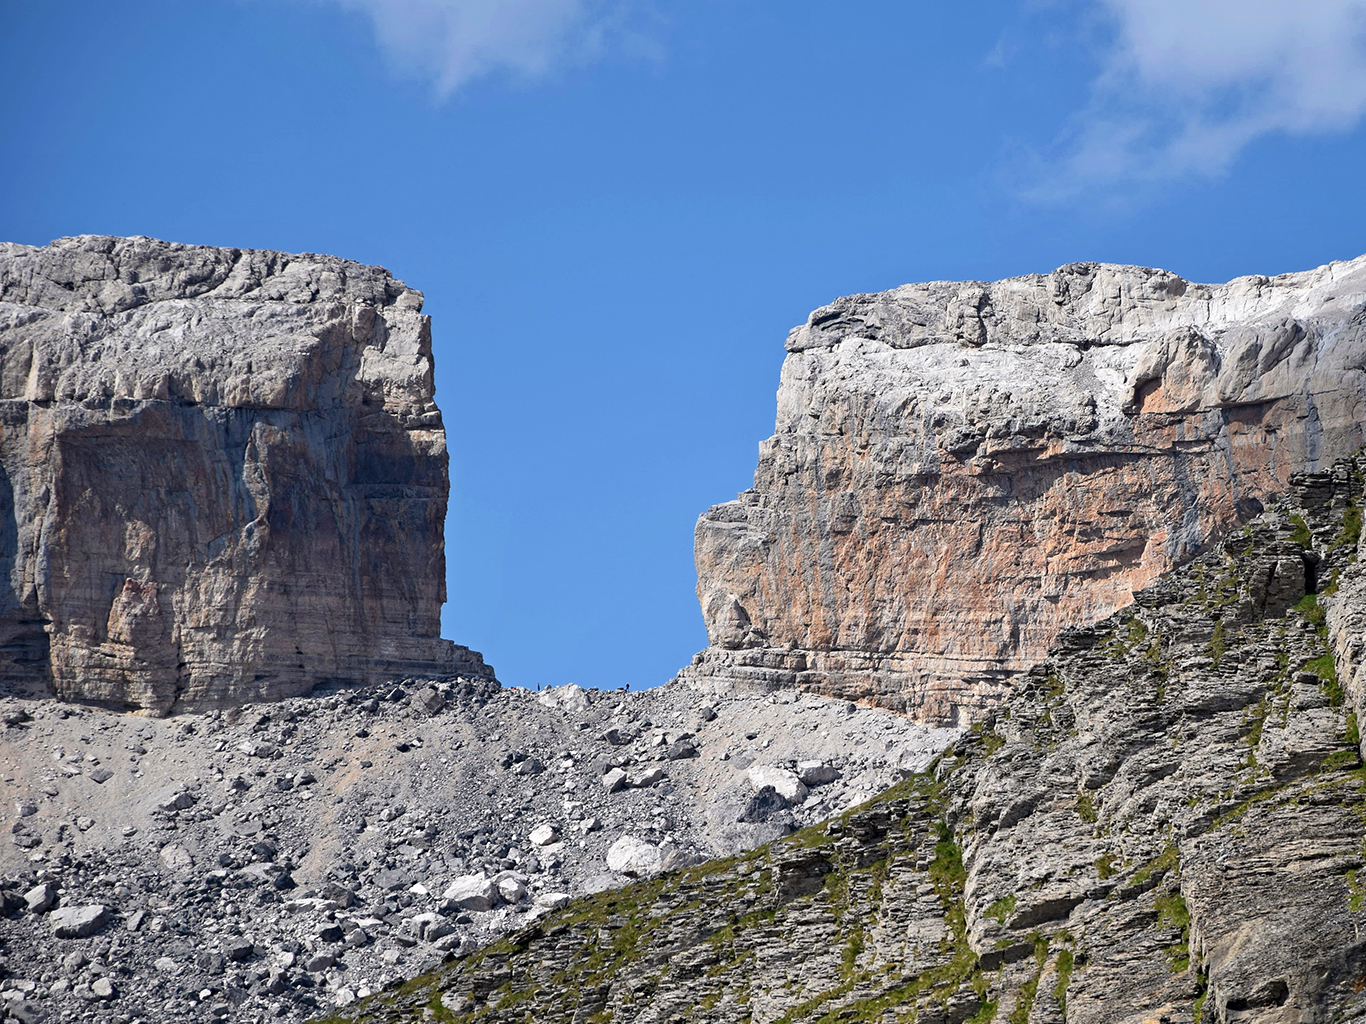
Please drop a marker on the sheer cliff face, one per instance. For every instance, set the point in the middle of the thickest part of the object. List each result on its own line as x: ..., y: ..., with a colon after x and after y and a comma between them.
x: 222, y: 474
x: 960, y: 470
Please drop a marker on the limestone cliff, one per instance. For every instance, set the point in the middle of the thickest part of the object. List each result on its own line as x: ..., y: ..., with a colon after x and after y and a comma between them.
x: 222, y: 474
x: 960, y: 470
x: 1164, y: 824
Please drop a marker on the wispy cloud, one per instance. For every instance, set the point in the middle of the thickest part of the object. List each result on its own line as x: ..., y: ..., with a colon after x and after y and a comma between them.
x: 451, y: 42
x: 1188, y: 84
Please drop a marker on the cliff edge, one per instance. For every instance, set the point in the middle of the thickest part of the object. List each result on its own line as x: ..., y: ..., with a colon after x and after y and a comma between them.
x: 222, y: 475
x: 959, y: 470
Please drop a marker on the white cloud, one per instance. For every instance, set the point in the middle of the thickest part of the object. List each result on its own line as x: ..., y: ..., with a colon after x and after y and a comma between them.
x: 1189, y: 83
x: 452, y: 42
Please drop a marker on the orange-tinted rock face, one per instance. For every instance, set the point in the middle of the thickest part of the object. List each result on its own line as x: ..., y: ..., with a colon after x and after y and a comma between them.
x: 961, y: 470
x: 222, y: 475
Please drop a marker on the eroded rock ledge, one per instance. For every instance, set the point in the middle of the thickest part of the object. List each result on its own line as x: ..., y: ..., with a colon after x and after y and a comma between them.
x: 959, y: 470
x: 222, y: 475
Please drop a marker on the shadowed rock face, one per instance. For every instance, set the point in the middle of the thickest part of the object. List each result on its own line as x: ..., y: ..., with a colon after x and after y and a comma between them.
x: 960, y: 470
x: 222, y: 474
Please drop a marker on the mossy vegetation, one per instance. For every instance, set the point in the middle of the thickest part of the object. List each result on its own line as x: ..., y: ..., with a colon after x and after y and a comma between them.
x: 1066, y: 962
x: 1168, y: 860
x: 1350, y: 533
x: 1311, y: 611
x: 1301, y: 535
x: 1325, y: 667
x: 1002, y: 910
x: 1218, y: 644
x: 1086, y: 807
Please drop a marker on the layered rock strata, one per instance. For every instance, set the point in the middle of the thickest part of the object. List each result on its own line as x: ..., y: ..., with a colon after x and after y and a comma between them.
x: 959, y: 470
x: 1163, y: 824
x: 222, y: 475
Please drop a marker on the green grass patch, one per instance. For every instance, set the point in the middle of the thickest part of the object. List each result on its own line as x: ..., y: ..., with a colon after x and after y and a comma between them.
x: 1343, y: 759
x: 1356, y: 892
x: 1311, y: 611
x: 1351, y: 528
x: 1217, y: 644
x: 1325, y: 667
x: 1169, y: 859
x: 1002, y: 910
x: 1086, y: 807
x: 1301, y: 534
x: 1065, y: 965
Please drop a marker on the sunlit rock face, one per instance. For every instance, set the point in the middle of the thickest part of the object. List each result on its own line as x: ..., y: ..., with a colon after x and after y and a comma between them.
x: 223, y: 476
x: 959, y: 470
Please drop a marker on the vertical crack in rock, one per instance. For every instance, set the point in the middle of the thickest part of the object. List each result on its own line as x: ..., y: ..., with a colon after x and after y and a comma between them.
x: 958, y: 471
x: 223, y: 476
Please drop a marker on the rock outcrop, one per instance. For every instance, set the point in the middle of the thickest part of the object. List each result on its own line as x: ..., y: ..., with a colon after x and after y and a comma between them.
x: 960, y: 470
x: 222, y: 475
x: 1163, y: 824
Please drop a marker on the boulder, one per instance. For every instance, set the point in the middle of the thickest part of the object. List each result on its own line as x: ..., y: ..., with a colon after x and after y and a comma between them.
x: 816, y: 773
x: 472, y: 892
x: 544, y: 835
x: 632, y: 856
x: 41, y: 898
x: 78, y: 922
x: 783, y: 782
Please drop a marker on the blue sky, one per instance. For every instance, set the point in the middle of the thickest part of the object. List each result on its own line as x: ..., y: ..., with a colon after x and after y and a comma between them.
x: 618, y: 209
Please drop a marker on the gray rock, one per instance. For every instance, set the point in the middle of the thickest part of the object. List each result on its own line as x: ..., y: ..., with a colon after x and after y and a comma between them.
x: 174, y: 857
x: 614, y: 780
x: 78, y: 922
x: 41, y: 898
x: 645, y: 780
x: 175, y: 798
x: 544, y: 835
x: 816, y: 773
x: 630, y: 855
x: 780, y: 780
x: 472, y: 892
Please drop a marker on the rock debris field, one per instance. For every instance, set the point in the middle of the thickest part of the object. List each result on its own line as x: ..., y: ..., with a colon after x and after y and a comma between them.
x: 280, y: 860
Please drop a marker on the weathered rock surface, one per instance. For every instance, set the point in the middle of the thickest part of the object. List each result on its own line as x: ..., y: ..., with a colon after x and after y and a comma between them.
x: 222, y: 475
x: 1164, y: 824
x: 959, y: 470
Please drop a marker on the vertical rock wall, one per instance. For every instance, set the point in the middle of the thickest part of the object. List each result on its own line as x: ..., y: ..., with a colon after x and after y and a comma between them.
x: 223, y: 476
x: 959, y: 470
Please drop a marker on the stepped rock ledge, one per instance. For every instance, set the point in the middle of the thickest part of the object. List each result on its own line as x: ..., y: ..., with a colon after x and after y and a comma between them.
x: 960, y: 470
x: 223, y: 477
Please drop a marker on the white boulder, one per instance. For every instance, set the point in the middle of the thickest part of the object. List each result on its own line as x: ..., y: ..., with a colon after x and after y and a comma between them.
x: 472, y: 892
x: 784, y: 783
x: 632, y: 856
